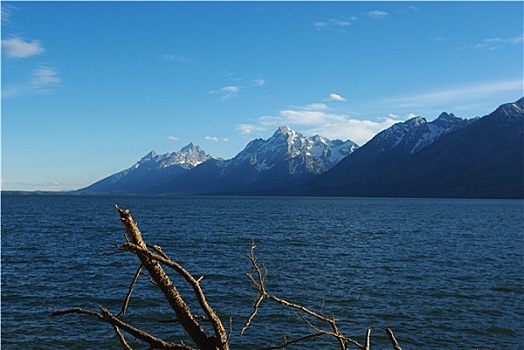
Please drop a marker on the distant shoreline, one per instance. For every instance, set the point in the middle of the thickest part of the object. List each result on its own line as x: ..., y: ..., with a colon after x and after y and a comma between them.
x: 174, y: 195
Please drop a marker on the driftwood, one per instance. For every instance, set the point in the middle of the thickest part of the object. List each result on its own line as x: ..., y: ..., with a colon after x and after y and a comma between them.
x: 152, y: 258
x: 258, y: 280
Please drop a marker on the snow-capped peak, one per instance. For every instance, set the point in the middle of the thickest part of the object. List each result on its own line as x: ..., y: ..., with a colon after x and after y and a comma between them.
x: 188, y: 157
x: 416, y: 133
x: 287, y: 144
x: 283, y: 130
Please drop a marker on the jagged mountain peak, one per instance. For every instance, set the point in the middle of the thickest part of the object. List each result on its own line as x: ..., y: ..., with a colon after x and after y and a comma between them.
x: 190, y: 146
x: 287, y: 145
x: 193, y: 149
x: 285, y: 133
x: 417, y: 133
x: 188, y: 157
x: 415, y: 122
x: 511, y: 109
x: 284, y: 130
x: 446, y: 116
x: 148, y: 157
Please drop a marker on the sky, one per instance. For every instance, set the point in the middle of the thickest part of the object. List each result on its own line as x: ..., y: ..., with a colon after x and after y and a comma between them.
x: 89, y: 88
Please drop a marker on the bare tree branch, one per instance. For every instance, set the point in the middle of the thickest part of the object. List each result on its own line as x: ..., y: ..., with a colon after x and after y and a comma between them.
x: 106, y: 316
x: 391, y: 336
x: 130, y: 291
x: 123, y: 341
x: 220, y: 331
x: 187, y: 320
x: 294, y: 341
x: 368, y: 341
x: 258, y: 280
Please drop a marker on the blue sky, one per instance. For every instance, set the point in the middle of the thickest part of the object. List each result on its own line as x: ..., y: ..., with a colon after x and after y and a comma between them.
x: 88, y: 88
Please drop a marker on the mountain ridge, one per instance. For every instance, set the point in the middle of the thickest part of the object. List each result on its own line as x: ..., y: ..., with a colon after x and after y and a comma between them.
x: 480, y: 157
x: 287, y: 156
x: 483, y: 159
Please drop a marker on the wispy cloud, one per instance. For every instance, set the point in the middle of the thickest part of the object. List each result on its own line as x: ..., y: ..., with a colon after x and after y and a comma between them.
x: 8, y: 184
x: 215, y: 139
x: 377, y: 14
x: 461, y: 93
x: 334, y: 23
x: 495, y: 43
x: 258, y: 82
x: 19, y: 48
x: 238, y: 84
x: 227, y: 92
x: 7, y: 12
x: 44, y: 80
x: 318, y: 118
x: 172, y: 138
x: 175, y: 58
x: 334, y: 97
x: 247, y: 129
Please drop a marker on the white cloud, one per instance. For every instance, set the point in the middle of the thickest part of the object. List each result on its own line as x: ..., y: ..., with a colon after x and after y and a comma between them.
x: 211, y: 138
x: 227, y: 92
x: 7, y: 184
x: 359, y: 131
x: 317, y: 118
x: 246, y: 129
x: 45, y: 76
x: 456, y: 94
x: 18, y: 48
x: 494, y: 43
x: 315, y: 107
x: 15, y: 90
x: 175, y: 58
x: 334, y: 24
x: 377, y: 14
x: 172, y: 138
x: 7, y: 12
x: 44, y: 79
x: 334, y: 97
x: 259, y: 82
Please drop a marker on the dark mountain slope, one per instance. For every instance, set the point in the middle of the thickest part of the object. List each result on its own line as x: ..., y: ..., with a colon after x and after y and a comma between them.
x: 482, y: 160
x: 283, y: 161
x: 151, y: 173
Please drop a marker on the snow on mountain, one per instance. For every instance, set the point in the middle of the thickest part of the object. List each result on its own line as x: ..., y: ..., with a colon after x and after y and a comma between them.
x: 283, y: 161
x: 188, y: 157
x: 151, y: 173
x: 287, y: 144
x: 416, y: 133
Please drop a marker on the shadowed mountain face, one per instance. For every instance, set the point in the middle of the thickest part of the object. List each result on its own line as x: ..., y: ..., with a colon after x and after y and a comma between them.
x: 150, y: 173
x: 283, y: 161
x: 449, y: 157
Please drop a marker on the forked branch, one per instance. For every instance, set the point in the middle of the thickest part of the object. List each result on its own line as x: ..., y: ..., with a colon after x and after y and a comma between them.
x: 258, y: 276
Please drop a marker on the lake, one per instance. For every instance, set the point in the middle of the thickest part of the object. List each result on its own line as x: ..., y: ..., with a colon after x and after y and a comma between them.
x: 441, y: 273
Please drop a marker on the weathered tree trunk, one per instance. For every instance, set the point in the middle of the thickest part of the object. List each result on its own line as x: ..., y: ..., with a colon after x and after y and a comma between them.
x: 157, y: 273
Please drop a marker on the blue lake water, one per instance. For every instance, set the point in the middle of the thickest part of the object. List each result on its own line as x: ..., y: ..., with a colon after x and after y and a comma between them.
x: 442, y: 273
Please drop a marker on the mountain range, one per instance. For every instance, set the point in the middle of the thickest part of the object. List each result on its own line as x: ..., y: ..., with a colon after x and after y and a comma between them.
x: 447, y: 157
x: 285, y: 160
